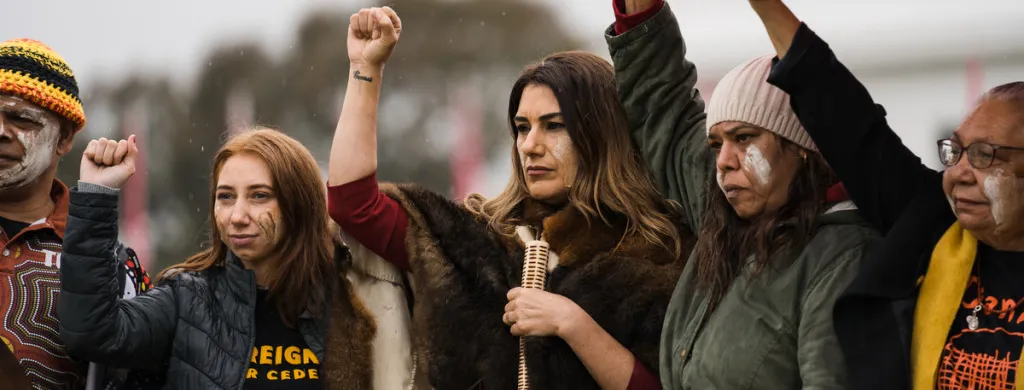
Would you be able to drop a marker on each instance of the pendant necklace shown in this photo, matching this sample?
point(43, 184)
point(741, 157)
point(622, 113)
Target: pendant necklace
point(972, 319)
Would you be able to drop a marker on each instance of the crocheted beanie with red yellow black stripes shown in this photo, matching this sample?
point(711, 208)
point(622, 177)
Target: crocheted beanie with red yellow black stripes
point(33, 71)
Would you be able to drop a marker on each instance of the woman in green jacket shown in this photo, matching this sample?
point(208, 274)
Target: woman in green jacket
point(778, 241)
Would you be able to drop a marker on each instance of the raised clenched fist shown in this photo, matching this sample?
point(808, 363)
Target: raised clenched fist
point(108, 162)
point(372, 35)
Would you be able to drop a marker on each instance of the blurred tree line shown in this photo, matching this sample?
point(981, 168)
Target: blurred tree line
point(445, 45)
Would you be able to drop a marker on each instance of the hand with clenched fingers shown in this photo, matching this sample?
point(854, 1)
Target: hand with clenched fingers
point(108, 162)
point(373, 34)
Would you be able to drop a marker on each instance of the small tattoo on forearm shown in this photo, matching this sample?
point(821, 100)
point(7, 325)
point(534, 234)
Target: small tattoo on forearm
point(364, 78)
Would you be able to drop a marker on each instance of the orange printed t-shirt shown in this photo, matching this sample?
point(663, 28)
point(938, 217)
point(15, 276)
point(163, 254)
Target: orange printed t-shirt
point(987, 357)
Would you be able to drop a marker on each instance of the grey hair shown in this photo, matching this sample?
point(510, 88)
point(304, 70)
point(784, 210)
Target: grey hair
point(1011, 92)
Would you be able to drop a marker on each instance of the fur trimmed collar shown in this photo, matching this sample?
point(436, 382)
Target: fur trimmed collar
point(463, 270)
point(576, 239)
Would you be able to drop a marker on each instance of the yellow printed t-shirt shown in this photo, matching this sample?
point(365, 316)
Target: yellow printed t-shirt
point(280, 358)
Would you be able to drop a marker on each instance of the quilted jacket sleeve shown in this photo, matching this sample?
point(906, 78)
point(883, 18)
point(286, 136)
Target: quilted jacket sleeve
point(96, 323)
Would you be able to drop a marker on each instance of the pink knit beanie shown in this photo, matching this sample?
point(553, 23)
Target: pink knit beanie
point(744, 95)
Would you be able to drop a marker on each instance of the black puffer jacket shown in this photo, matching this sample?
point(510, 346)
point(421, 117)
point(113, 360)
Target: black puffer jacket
point(200, 326)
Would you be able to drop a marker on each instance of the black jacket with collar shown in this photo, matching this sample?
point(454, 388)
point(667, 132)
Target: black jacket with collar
point(894, 191)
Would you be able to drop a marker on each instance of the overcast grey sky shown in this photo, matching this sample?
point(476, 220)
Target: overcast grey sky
point(106, 38)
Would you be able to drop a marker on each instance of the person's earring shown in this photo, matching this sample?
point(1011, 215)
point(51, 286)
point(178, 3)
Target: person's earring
point(804, 155)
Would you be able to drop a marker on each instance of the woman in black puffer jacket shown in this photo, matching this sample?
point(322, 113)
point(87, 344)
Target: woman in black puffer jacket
point(265, 306)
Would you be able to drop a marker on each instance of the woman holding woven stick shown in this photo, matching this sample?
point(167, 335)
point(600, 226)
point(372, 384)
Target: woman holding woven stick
point(577, 184)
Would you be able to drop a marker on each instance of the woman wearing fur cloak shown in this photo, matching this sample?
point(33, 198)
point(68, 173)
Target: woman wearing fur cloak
point(578, 184)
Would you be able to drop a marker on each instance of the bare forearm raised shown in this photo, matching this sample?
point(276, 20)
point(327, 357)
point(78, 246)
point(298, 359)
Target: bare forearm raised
point(372, 35)
point(779, 22)
point(354, 151)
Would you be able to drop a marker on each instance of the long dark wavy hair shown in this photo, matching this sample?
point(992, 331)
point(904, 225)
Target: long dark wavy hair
point(726, 243)
point(613, 180)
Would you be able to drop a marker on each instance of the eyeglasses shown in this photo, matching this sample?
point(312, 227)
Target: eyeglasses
point(979, 154)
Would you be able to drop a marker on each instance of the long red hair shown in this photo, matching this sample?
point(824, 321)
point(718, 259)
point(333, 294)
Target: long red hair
point(303, 271)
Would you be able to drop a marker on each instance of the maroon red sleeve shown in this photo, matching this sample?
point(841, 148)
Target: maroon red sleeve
point(372, 218)
point(836, 193)
point(642, 379)
point(624, 22)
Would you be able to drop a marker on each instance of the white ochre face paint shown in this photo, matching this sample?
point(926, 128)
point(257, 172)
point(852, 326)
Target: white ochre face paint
point(39, 146)
point(755, 163)
point(1002, 192)
point(565, 155)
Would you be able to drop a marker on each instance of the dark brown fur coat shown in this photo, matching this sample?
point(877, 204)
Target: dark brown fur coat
point(462, 271)
point(348, 340)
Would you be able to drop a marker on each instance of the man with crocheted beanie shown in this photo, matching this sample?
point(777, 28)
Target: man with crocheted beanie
point(40, 113)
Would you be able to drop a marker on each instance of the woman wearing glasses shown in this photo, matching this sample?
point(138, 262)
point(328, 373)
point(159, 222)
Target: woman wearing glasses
point(937, 306)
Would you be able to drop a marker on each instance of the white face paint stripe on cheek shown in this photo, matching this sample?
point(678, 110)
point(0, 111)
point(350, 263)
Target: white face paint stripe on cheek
point(521, 154)
point(996, 187)
point(755, 162)
point(562, 148)
point(563, 153)
point(39, 146)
